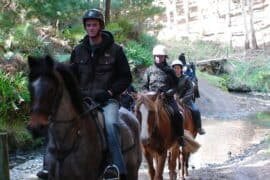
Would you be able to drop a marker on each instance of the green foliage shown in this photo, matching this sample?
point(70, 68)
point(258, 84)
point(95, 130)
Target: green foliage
point(14, 96)
point(136, 12)
point(254, 75)
point(51, 11)
point(74, 33)
point(117, 31)
point(137, 54)
point(8, 20)
point(147, 41)
point(27, 40)
point(214, 80)
point(14, 107)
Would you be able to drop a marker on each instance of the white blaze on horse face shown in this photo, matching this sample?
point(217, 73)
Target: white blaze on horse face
point(37, 85)
point(144, 114)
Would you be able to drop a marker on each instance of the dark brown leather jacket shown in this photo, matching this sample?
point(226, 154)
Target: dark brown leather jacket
point(185, 89)
point(102, 67)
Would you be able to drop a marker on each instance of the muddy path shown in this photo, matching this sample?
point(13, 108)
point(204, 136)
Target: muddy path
point(235, 146)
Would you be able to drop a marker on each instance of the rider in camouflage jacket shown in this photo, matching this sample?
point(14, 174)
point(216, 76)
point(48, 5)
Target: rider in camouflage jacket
point(161, 77)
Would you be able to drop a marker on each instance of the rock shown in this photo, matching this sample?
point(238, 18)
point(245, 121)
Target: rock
point(238, 88)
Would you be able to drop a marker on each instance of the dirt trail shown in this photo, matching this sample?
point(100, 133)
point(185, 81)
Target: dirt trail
point(233, 148)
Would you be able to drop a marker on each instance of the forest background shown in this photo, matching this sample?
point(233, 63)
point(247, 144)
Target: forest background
point(37, 27)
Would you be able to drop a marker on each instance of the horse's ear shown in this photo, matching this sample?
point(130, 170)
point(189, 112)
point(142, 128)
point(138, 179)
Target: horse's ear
point(49, 61)
point(32, 62)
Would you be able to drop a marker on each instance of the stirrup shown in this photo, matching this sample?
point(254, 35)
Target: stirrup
point(111, 172)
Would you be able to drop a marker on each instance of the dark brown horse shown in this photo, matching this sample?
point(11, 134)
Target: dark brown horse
point(77, 146)
point(183, 154)
point(157, 134)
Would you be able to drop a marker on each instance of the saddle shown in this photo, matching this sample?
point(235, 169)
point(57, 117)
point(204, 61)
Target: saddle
point(124, 133)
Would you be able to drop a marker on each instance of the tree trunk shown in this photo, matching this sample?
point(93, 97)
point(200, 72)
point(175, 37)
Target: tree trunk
point(174, 13)
point(107, 11)
point(186, 14)
point(168, 12)
point(252, 30)
point(245, 24)
point(4, 169)
point(228, 22)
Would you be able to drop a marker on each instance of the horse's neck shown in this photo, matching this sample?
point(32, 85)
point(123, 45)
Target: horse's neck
point(65, 110)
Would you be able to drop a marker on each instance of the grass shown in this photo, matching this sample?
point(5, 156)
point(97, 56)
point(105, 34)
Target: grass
point(217, 81)
point(261, 119)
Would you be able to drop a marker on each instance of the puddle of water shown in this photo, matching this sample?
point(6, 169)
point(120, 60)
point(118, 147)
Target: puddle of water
point(226, 139)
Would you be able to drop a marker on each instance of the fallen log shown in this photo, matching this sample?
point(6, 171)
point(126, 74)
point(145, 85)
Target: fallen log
point(212, 66)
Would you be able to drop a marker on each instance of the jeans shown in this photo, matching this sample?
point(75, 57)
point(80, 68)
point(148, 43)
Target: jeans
point(110, 111)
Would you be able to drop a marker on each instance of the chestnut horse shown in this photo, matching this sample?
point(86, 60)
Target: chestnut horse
point(183, 154)
point(157, 134)
point(77, 146)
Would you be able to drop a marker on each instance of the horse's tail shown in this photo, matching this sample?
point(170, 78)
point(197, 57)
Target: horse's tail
point(191, 145)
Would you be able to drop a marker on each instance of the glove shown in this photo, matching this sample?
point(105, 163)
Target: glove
point(102, 96)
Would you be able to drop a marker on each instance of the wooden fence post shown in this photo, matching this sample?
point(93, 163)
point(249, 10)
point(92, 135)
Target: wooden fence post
point(4, 167)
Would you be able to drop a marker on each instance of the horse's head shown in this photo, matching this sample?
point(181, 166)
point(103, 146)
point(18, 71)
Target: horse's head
point(145, 111)
point(44, 89)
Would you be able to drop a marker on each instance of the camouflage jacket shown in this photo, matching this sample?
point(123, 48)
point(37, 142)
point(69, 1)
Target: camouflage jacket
point(156, 79)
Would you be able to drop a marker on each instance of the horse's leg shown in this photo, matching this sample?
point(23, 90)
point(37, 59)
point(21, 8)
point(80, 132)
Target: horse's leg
point(174, 154)
point(181, 168)
point(160, 166)
point(186, 163)
point(149, 160)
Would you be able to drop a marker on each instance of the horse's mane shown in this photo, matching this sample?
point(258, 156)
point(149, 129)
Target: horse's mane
point(71, 85)
point(46, 66)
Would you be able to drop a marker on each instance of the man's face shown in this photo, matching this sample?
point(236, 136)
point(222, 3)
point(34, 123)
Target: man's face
point(178, 70)
point(159, 58)
point(92, 27)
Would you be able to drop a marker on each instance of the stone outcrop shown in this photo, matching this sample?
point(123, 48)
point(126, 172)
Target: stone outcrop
point(216, 20)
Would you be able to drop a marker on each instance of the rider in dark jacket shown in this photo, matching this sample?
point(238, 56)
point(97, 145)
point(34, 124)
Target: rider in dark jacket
point(161, 77)
point(186, 94)
point(103, 73)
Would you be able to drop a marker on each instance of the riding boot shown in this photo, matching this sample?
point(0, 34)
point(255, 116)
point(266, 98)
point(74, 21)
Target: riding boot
point(177, 122)
point(198, 122)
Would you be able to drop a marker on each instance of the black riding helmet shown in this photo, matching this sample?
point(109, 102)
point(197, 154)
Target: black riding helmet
point(94, 14)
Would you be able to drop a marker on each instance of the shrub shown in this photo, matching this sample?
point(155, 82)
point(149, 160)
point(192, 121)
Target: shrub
point(14, 97)
point(138, 55)
point(254, 75)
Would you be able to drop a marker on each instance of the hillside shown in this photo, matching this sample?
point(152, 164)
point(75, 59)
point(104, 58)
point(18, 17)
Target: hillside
point(216, 20)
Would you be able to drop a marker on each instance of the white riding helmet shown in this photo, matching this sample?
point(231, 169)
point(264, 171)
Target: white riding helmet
point(177, 62)
point(159, 50)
